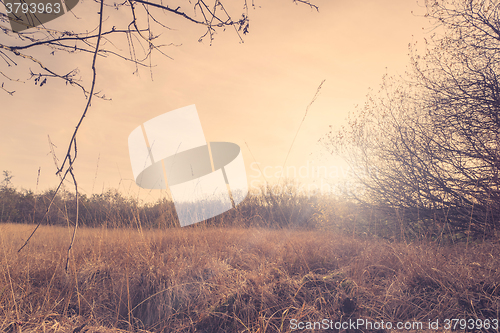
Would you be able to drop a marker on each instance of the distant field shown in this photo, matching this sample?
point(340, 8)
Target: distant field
point(237, 280)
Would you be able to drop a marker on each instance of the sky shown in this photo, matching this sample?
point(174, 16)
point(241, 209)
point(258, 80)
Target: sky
point(253, 93)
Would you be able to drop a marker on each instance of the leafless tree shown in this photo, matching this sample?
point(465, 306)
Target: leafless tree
point(140, 22)
point(433, 136)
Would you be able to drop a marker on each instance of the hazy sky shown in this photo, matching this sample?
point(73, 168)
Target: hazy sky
point(253, 93)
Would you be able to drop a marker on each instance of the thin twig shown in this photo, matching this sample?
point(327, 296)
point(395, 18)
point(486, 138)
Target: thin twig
point(36, 190)
point(46, 213)
point(72, 144)
point(300, 125)
point(76, 220)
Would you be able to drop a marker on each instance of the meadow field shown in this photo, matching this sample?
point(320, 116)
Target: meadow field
point(235, 279)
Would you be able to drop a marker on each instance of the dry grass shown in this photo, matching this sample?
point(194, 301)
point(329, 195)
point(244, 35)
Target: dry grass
point(235, 280)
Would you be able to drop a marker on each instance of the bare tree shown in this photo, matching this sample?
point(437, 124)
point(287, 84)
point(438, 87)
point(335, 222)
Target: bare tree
point(434, 135)
point(139, 22)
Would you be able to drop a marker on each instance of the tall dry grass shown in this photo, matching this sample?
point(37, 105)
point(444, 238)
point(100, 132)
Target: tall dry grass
point(235, 280)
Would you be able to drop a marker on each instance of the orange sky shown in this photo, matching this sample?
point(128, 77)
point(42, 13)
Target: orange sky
point(253, 93)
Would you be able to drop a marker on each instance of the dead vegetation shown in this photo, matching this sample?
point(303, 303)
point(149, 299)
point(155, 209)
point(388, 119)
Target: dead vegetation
point(236, 280)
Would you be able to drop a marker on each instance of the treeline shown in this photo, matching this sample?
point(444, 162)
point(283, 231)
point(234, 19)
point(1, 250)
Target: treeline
point(273, 207)
point(113, 209)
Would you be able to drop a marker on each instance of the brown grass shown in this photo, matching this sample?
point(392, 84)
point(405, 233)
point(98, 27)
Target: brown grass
point(235, 280)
